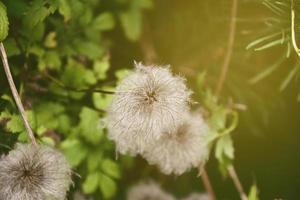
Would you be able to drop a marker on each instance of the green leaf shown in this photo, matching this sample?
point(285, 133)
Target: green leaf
point(47, 114)
point(90, 77)
point(93, 160)
point(110, 168)
point(52, 60)
point(64, 9)
point(74, 151)
point(104, 22)
point(91, 183)
point(38, 12)
point(224, 153)
point(100, 68)
point(253, 194)
point(107, 186)
point(3, 22)
point(11, 47)
point(89, 49)
point(101, 101)
point(48, 141)
point(88, 126)
point(132, 24)
point(50, 40)
point(15, 124)
point(121, 73)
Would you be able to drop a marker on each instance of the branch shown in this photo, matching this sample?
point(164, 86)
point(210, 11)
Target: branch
point(62, 85)
point(16, 94)
point(237, 183)
point(227, 59)
point(206, 183)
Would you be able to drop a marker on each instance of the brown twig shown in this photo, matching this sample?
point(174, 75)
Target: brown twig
point(207, 184)
point(237, 183)
point(227, 59)
point(16, 94)
point(232, 29)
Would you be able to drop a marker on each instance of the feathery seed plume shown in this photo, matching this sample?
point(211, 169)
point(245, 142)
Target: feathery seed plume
point(197, 196)
point(180, 151)
point(34, 173)
point(148, 191)
point(148, 102)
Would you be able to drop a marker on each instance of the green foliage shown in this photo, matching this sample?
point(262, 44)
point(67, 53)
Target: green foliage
point(222, 121)
point(63, 48)
point(280, 32)
point(3, 22)
point(253, 194)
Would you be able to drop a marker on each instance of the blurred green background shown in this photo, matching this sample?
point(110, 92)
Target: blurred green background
point(192, 37)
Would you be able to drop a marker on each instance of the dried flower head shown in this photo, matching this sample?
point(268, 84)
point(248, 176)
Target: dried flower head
point(148, 102)
point(148, 191)
point(178, 152)
point(34, 173)
point(197, 196)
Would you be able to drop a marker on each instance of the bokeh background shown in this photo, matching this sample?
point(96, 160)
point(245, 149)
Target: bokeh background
point(192, 37)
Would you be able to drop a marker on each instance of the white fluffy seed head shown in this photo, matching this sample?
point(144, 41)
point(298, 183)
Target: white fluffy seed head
point(148, 191)
point(197, 196)
point(34, 173)
point(178, 152)
point(148, 102)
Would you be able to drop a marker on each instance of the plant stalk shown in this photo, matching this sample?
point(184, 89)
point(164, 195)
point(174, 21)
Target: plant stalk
point(16, 95)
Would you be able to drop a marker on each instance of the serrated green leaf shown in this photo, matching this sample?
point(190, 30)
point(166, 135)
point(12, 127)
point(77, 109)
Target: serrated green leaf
point(3, 22)
point(15, 124)
point(91, 183)
point(107, 186)
point(104, 22)
point(224, 149)
point(88, 126)
point(110, 168)
point(74, 151)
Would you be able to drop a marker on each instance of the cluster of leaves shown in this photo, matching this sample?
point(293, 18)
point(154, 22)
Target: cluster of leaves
point(280, 31)
point(222, 120)
point(59, 54)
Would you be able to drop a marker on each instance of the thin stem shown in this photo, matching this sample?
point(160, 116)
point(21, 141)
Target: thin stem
point(237, 183)
point(293, 31)
point(207, 184)
point(59, 83)
point(227, 59)
point(232, 29)
point(16, 94)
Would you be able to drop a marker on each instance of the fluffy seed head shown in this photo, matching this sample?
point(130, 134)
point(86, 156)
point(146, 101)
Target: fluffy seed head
point(178, 152)
point(34, 173)
point(148, 102)
point(197, 196)
point(148, 191)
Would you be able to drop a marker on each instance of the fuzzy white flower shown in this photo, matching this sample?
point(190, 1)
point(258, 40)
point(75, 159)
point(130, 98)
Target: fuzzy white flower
point(149, 191)
point(197, 196)
point(148, 102)
point(34, 173)
point(178, 152)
